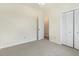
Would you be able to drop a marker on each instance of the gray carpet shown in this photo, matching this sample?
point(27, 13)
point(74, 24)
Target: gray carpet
point(39, 48)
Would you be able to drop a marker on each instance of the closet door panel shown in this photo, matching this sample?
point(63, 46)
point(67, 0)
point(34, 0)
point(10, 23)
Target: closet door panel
point(68, 28)
point(64, 37)
point(76, 41)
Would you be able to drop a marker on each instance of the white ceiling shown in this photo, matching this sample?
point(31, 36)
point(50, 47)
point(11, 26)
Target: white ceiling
point(51, 6)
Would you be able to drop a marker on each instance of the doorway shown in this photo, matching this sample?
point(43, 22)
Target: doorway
point(46, 28)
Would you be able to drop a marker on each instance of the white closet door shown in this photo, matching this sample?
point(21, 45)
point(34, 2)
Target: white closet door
point(68, 28)
point(64, 37)
point(76, 41)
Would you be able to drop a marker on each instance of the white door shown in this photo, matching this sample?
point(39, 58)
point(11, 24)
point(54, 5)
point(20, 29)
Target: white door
point(40, 27)
point(68, 28)
point(76, 41)
point(64, 37)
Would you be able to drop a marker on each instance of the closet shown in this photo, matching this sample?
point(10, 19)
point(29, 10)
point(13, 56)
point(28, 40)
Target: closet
point(76, 31)
point(70, 28)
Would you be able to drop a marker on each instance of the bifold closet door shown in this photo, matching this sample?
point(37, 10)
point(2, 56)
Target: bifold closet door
point(68, 28)
point(76, 17)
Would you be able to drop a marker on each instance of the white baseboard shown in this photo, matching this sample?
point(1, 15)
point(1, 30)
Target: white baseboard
point(6, 46)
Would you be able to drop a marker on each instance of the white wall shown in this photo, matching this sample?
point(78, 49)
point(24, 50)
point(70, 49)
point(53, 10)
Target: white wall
point(54, 11)
point(17, 24)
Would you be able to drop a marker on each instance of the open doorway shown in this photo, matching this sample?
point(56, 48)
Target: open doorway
point(46, 28)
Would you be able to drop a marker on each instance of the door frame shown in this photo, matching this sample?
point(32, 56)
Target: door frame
point(37, 28)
